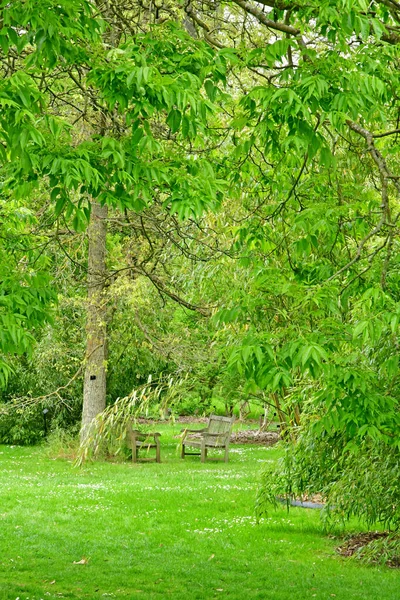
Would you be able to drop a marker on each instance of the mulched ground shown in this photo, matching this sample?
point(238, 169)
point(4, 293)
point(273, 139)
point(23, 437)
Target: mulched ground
point(359, 541)
point(261, 438)
point(185, 420)
point(251, 436)
point(248, 436)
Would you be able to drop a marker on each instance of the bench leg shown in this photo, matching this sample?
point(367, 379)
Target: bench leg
point(158, 454)
point(203, 453)
point(226, 458)
point(135, 453)
point(183, 451)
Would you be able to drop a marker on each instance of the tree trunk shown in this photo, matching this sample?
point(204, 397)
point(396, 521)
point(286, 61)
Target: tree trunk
point(94, 387)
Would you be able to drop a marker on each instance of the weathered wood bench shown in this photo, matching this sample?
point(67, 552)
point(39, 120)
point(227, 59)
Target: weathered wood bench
point(137, 440)
point(215, 435)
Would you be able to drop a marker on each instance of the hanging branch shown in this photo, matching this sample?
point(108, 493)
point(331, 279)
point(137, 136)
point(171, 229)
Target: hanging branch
point(27, 401)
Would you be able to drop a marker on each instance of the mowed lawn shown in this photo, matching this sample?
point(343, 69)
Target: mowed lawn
point(179, 529)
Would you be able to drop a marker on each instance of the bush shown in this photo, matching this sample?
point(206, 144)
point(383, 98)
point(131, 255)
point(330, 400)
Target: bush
point(384, 550)
point(191, 404)
point(363, 482)
point(22, 426)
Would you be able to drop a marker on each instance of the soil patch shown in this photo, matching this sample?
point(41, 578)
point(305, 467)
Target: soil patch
point(185, 420)
point(247, 436)
point(251, 436)
point(262, 438)
point(358, 544)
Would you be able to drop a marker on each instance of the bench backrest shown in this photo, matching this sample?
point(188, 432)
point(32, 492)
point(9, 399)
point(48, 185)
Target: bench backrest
point(220, 425)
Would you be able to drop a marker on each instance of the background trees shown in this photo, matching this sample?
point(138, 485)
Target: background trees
point(245, 159)
point(129, 100)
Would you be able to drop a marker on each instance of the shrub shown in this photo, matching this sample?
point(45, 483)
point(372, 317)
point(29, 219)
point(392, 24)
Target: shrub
point(22, 426)
point(363, 482)
point(383, 550)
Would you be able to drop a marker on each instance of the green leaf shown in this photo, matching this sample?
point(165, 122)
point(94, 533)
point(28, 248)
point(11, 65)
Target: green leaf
point(55, 192)
point(211, 89)
point(360, 328)
point(4, 42)
point(60, 205)
point(174, 120)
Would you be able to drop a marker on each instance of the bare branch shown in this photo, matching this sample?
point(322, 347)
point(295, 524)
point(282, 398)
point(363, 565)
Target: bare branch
point(256, 12)
point(385, 177)
point(386, 133)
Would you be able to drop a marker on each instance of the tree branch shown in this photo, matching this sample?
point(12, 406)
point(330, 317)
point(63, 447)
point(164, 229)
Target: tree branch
point(256, 12)
point(385, 176)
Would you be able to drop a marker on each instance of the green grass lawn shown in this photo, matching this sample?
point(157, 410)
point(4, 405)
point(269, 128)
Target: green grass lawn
point(180, 529)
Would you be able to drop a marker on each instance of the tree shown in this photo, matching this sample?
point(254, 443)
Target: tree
point(34, 36)
point(135, 97)
point(316, 138)
point(296, 106)
point(95, 382)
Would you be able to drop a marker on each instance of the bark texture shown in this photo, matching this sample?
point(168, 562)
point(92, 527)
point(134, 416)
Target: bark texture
point(94, 387)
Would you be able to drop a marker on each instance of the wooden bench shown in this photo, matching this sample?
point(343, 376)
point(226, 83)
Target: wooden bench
point(137, 440)
point(215, 435)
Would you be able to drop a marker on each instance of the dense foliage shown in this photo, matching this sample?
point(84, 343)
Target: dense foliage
point(249, 160)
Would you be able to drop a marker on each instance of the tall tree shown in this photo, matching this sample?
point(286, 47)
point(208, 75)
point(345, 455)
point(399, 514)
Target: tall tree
point(133, 104)
point(33, 36)
point(95, 377)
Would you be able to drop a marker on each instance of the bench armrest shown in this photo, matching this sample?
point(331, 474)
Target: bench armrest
point(141, 436)
point(186, 431)
point(194, 430)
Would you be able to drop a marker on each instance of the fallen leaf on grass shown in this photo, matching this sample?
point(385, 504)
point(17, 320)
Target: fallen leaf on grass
point(83, 561)
point(52, 582)
point(211, 557)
